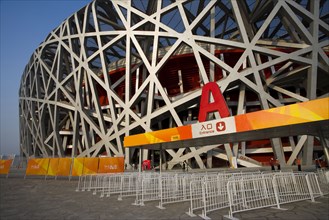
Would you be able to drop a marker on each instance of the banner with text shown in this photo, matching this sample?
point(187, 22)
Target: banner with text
point(111, 165)
point(37, 166)
point(311, 111)
point(5, 166)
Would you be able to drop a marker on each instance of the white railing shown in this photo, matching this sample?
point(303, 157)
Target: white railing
point(246, 194)
point(111, 185)
point(313, 186)
point(173, 189)
point(150, 189)
point(207, 192)
point(214, 196)
point(130, 184)
point(323, 179)
point(292, 187)
point(196, 196)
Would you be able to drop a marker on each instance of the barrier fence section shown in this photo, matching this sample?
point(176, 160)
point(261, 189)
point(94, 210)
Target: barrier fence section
point(98, 183)
point(207, 192)
point(90, 165)
point(88, 182)
point(246, 194)
point(313, 185)
point(64, 167)
point(130, 184)
point(214, 190)
point(5, 166)
point(111, 185)
point(214, 195)
point(37, 167)
point(77, 167)
point(52, 167)
point(323, 179)
point(292, 187)
point(173, 189)
point(150, 189)
point(196, 197)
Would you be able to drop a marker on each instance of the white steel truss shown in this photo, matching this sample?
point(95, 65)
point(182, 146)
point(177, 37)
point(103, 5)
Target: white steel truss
point(103, 73)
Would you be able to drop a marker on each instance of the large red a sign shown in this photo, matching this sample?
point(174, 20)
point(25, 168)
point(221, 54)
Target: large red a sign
point(218, 105)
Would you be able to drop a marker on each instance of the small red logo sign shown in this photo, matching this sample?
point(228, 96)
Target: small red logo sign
point(220, 126)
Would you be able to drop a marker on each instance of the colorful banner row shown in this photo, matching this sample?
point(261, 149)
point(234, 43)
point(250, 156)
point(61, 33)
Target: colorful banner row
point(75, 166)
point(311, 111)
point(5, 166)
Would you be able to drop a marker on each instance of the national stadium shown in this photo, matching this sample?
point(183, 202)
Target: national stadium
point(120, 68)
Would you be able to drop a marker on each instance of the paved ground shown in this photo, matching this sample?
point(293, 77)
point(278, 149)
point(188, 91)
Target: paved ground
point(36, 198)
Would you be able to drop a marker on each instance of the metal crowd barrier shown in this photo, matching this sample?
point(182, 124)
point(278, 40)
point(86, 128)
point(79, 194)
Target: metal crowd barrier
point(323, 178)
point(313, 185)
point(208, 192)
point(91, 182)
point(196, 196)
point(111, 185)
point(150, 189)
point(214, 196)
point(246, 194)
point(271, 190)
point(291, 187)
point(130, 184)
point(173, 189)
point(87, 182)
point(323, 175)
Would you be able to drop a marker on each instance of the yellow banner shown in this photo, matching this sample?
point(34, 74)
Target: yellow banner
point(90, 165)
point(111, 165)
point(53, 167)
point(77, 168)
point(64, 167)
point(5, 166)
point(37, 166)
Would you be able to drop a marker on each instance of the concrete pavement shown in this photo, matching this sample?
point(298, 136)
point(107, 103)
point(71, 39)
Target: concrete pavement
point(36, 198)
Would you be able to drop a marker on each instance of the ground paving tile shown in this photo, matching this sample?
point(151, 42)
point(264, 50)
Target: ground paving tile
point(36, 198)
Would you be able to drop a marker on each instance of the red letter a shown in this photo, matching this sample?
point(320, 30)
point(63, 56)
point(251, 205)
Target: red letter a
point(218, 105)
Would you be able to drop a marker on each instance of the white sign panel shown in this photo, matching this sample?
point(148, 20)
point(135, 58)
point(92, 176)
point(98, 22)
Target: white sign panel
point(214, 127)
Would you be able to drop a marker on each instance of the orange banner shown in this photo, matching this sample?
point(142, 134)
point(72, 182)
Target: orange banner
point(315, 110)
point(111, 165)
point(90, 165)
point(161, 136)
point(64, 167)
point(37, 166)
point(53, 167)
point(5, 166)
point(77, 168)
point(311, 111)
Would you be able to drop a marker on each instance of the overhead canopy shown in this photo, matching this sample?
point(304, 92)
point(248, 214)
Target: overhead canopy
point(307, 118)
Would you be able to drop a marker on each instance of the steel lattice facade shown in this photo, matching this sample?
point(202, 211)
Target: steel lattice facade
point(117, 68)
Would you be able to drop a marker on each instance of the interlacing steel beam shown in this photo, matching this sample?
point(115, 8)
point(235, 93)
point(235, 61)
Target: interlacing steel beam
point(118, 68)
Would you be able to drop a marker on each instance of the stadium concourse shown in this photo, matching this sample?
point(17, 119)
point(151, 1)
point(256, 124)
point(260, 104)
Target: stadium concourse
point(36, 198)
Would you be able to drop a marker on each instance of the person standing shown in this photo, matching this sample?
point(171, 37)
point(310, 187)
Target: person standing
point(278, 164)
point(317, 164)
point(298, 162)
point(272, 164)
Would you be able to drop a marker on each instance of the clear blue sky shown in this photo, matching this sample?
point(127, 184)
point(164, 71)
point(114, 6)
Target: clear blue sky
point(24, 25)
